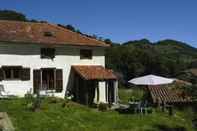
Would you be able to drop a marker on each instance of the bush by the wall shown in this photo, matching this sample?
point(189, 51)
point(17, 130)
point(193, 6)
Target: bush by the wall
point(102, 107)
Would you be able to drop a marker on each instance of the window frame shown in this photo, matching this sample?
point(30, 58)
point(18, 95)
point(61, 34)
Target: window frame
point(12, 75)
point(86, 54)
point(45, 53)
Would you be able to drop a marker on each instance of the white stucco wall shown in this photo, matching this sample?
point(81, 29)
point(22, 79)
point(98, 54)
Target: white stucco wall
point(28, 55)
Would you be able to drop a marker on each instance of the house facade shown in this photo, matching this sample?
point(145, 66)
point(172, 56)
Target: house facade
point(46, 58)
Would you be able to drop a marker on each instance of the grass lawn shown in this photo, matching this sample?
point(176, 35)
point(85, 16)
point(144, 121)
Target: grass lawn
point(54, 117)
point(126, 94)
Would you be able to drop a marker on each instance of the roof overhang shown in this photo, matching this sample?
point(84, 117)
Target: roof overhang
point(56, 44)
point(94, 72)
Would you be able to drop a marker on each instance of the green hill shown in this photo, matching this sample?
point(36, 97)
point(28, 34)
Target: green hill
point(176, 49)
point(135, 58)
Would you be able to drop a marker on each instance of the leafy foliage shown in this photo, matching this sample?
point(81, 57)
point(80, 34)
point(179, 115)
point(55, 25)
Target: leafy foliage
point(135, 58)
point(12, 15)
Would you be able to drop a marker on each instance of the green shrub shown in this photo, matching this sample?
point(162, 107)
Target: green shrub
point(37, 104)
point(102, 107)
point(29, 101)
point(65, 103)
point(29, 98)
point(149, 110)
point(30, 106)
point(32, 103)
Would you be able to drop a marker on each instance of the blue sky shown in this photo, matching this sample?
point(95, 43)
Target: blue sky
point(119, 20)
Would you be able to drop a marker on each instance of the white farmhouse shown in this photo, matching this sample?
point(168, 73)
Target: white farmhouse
point(49, 58)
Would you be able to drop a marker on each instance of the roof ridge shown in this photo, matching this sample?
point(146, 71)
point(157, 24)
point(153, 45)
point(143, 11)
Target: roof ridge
point(29, 22)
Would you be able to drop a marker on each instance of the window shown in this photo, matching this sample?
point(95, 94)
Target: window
point(11, 72)
point(52, 79)
point(8, 73)
point(48, 53)
point(48, 34)
point(14, 73)
point(85, 54)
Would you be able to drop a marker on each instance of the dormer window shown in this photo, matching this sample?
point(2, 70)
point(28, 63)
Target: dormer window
point(85, 54)
point(48, 34)
point(47, 53)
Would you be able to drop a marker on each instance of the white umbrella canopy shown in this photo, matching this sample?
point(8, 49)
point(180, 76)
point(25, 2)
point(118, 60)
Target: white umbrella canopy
point(151, 80)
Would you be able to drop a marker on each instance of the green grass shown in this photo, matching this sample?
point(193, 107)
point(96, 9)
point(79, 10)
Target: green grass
point(74, 117)
point(126, 94)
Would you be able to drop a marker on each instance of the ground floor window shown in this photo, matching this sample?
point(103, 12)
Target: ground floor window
point(14, 73)
point(11, 72)
point(48, 79)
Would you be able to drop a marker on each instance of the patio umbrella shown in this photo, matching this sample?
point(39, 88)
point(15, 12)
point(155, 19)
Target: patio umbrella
point(151, 80)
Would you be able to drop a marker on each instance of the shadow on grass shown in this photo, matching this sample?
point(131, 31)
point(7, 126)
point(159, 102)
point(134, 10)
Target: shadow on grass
point(167, 128)
point(124, 111)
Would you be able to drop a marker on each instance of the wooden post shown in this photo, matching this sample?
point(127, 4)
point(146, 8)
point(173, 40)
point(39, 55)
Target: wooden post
point(77, 87)
point(40, 87)
point(54, 79)
point(115, 87)
point(97, 91)
point(106, 91)
point(86, 92)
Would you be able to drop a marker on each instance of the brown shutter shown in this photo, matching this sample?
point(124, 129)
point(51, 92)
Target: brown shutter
point(59, 81)
point(37, 80)
point(25, 74)
point(1, 74)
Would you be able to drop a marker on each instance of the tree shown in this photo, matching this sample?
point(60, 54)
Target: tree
point(141, 57)
point(108, 41)
point(70, 27)
point(12, 15)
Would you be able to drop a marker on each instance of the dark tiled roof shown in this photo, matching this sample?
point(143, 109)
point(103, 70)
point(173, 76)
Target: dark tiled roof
point(91, 72)
point(166, 95)
point(44, 33)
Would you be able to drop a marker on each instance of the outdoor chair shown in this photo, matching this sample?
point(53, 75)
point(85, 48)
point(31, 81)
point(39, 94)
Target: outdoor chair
point(141, 107)
point(5, 94)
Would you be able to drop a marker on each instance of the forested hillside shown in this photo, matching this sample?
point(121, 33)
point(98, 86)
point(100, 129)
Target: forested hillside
point(135, 58)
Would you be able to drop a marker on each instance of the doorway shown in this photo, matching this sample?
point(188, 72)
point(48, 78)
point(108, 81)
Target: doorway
point(110, 92)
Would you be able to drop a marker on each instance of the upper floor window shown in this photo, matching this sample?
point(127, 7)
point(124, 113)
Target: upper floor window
point(85, 54)
point(48, 53)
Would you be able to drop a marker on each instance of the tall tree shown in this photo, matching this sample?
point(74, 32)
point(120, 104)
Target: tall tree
point(12, 15)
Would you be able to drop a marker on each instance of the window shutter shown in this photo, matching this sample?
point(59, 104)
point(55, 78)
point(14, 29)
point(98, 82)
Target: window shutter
point(25, 74)
point(1, 74)
point(59, 81)
point(37, 80)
